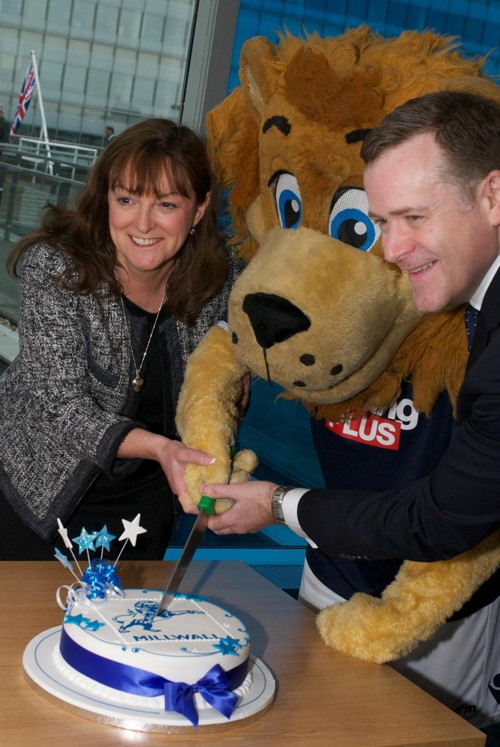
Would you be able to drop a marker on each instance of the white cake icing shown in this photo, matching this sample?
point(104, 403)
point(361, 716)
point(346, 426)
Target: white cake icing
point(180, 646)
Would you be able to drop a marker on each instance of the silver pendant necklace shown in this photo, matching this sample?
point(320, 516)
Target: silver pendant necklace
point(138, 380)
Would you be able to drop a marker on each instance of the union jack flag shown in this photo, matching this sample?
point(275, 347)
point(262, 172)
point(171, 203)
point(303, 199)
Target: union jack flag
point(24, 99)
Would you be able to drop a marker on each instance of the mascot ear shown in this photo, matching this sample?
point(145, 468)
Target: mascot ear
point(259, 72)
point(233, 135)
point(232, 139)
point(226, 126)
point(229, 123)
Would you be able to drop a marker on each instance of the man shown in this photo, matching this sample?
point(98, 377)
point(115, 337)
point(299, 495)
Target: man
point(4, 127)
point(109, 134)
point(432, 178)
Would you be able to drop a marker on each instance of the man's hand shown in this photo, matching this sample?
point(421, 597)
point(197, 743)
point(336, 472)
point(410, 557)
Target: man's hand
point(251, 508)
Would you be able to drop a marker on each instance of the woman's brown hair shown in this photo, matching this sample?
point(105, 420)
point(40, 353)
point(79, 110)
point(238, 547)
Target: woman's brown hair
point(146, 153)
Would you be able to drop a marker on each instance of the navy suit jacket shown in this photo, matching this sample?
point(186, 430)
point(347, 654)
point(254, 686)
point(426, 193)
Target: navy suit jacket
point(450, 510)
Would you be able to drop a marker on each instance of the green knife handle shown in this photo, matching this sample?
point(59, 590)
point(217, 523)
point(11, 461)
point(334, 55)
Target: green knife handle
point(207, 505)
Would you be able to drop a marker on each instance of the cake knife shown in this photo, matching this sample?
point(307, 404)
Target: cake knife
point(206, 507)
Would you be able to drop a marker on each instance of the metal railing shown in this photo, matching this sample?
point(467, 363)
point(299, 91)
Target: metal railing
point(25, 189)
point(47, 156)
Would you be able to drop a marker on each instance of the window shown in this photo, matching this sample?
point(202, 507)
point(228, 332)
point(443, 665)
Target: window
point(129, 26)
point(82, 18)
point(152, 30)
point(54, 48)
point(97, 88)
point(10, 10)
point(74, 83)
point(106, 22)
point(79, 52)
point(120, 94)
point(58, 15)
point(35, 10)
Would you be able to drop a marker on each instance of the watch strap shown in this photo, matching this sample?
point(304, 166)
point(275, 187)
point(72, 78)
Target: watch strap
point(277, 504)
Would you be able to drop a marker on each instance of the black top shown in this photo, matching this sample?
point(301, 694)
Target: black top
point(154, 406)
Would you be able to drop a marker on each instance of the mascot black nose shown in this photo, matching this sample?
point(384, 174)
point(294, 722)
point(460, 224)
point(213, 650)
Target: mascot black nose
point(273, 318)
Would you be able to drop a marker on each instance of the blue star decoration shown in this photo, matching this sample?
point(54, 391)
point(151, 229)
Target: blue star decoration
point(228, 645)
point(94, 625)
point(63, 559)
point(85, 541)
point(103, 538)
point(75, 619)
point(83, 622)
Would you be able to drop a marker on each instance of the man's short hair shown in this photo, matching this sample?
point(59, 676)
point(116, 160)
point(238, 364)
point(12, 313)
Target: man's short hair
point(466, 127)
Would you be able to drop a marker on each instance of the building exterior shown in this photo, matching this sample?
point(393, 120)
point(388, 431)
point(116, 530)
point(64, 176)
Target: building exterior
point(113, 62)
point(105, 62)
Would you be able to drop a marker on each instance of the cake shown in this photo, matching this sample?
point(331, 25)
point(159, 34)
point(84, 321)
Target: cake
point(117, 658)
point(194, 655)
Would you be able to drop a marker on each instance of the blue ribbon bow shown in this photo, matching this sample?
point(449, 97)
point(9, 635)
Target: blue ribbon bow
point(215, 686)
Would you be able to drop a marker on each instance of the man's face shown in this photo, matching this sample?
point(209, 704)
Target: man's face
point(442, 240)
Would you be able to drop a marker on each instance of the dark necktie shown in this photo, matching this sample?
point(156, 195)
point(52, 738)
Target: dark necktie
point(470, 323)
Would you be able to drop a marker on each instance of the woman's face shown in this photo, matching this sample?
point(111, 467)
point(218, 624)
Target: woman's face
point(149, 230)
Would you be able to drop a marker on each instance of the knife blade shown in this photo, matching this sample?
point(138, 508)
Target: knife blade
point(206, 508)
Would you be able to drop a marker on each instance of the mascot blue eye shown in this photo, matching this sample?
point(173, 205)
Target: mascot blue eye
point(349, 221)
point(288, 200)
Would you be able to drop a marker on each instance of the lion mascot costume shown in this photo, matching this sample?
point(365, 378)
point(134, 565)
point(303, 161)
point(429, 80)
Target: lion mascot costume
point(316, 309)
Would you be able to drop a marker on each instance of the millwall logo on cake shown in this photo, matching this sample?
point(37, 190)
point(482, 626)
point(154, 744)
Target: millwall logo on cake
point(144, 614)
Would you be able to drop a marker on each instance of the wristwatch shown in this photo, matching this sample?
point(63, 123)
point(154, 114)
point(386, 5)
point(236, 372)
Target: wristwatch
point(277, 504)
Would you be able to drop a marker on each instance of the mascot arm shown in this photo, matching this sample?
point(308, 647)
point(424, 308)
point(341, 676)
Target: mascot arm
point(208, 413)
point(411, 608)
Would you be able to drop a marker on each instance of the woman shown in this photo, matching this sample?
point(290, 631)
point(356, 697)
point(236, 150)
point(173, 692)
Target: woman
point(115, 294)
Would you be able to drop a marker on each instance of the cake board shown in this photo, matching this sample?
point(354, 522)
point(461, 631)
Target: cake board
point(74, 695)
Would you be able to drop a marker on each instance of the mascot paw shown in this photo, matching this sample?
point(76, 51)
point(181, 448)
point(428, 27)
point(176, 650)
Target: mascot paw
point(222, 505)
point(221, 471)
point(243, 465)
point(363, 627)
point(195, 476)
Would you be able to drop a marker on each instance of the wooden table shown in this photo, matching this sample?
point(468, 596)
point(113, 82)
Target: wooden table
point(323, 698)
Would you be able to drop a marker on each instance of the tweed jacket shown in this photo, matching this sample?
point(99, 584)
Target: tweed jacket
point(66, 402)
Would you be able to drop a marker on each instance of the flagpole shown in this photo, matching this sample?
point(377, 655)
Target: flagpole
point(43, 130)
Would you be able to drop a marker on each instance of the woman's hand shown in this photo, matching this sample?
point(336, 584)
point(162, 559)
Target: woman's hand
point(172, 455)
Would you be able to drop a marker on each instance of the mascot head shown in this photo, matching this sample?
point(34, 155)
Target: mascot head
point(318, 310)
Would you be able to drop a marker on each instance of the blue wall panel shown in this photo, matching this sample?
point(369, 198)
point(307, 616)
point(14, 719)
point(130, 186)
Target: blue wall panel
point(477, 24)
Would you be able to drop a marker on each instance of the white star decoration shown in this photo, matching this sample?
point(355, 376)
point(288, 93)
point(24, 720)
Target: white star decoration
point(131, 530)
point(64, 534)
